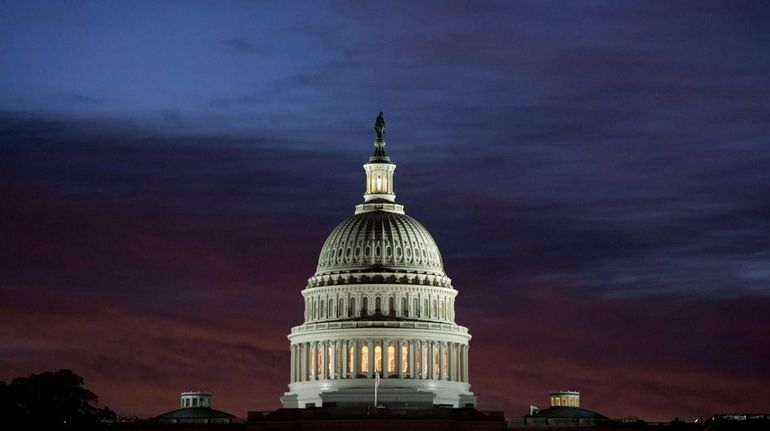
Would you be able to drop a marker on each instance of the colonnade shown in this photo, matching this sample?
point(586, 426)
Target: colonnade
point(390, 358)
point(330, 306)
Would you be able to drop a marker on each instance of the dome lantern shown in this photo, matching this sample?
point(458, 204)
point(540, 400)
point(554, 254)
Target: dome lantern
point(379, 170)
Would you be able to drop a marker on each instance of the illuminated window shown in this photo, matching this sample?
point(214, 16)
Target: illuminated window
point(404, 359)
point(350, 359)
point(445, 363)
point(378, 358)
point(391, 359)
point(418, 357)
point(331, 362)
point(436, 365)
point(311, 365)
point(365, 359)
point(319, 361)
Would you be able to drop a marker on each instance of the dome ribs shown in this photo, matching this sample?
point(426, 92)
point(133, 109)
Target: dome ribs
point(380, 241)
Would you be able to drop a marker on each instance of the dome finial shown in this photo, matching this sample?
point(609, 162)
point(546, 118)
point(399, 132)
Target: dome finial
point(379, 155)
point(379, 126)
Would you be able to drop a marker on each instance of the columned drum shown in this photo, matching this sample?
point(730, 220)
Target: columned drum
point(379, 305)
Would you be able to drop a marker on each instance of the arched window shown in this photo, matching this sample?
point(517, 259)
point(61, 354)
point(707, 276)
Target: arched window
point(391, 306)
point(425, 309)
point(352, 307)
point(378, 305)
point(340, 307)
point(404, 311)
point(364, 358)
point(434, 312)
point(391, 359)
point(365, 306)
point(378, 359)
point(404, 359)
point(415, 308)
point(322, 313)
point(331, 308)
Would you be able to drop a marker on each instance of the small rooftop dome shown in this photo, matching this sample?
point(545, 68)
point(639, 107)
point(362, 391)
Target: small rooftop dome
point(196, 408)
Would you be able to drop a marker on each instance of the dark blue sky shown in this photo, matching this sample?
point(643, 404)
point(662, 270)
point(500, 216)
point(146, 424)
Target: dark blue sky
point(607, 163)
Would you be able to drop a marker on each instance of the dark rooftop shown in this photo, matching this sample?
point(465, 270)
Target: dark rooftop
point(195, 413)
point(566, 412)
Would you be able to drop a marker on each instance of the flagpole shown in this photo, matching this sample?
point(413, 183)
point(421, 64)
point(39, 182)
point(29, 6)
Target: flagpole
point(376, 386)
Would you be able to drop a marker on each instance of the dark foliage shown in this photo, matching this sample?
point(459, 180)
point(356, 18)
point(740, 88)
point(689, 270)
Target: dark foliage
point(51, 401)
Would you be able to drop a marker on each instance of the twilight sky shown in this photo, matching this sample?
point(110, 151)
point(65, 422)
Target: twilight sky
point(596, 174)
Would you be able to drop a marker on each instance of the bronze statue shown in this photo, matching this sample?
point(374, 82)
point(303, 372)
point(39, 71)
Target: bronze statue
point(379, 126)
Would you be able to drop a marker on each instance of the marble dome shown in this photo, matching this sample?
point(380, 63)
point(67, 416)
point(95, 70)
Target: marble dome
point(380, 240)
point(379, 319)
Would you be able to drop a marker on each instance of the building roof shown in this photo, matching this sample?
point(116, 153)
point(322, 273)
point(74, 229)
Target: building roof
point(195, 413)
point(566, 412)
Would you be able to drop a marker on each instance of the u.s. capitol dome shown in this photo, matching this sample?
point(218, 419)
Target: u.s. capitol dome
point(379, 311)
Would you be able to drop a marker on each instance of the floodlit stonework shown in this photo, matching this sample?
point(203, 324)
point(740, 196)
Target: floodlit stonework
point(379, 304)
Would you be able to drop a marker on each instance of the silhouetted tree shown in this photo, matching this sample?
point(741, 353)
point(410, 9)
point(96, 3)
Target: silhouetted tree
point(50, 401)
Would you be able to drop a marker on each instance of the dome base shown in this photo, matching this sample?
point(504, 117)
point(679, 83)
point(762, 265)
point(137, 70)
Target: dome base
point(391, 393)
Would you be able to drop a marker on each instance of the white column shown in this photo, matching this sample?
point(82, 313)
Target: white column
point(411, 359)
point(385, 359)
point(325, 356)
point(457, 361)
point(431, 369)
point(371, 358)
point(344, 368)
point(465, 364)
point(292, 368)
point(356, 358)
point(453, 362)
point(441, 362)
point(399, 359)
